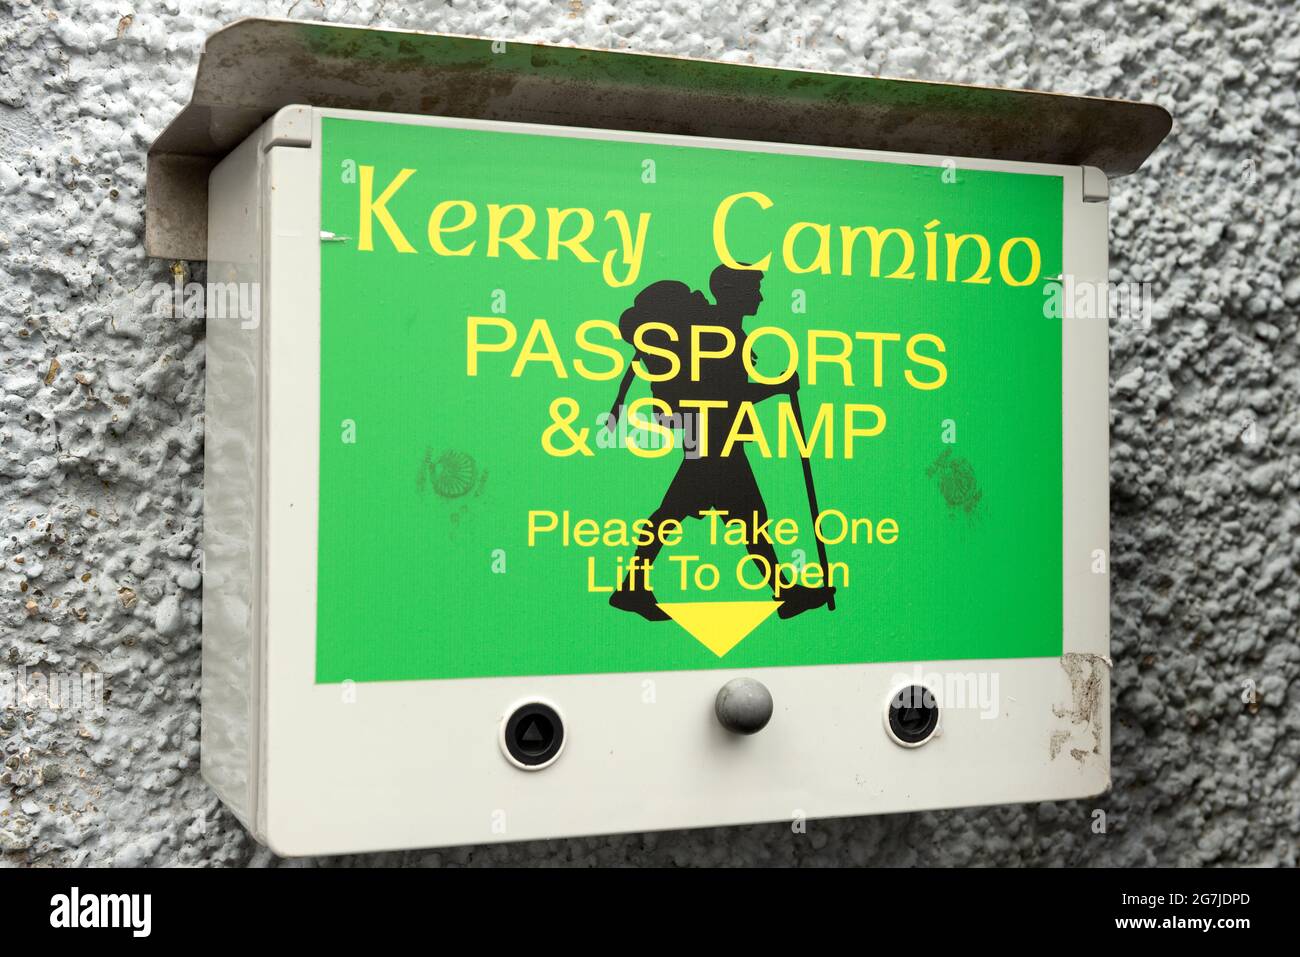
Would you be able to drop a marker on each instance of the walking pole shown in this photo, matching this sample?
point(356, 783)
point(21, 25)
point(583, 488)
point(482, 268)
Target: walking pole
point(612, 422)
point(812, 494)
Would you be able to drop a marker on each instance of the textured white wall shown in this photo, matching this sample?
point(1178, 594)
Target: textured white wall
point(101, 444)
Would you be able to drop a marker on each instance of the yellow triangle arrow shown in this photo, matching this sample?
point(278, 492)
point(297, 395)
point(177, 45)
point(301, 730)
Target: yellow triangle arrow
point(719, 625)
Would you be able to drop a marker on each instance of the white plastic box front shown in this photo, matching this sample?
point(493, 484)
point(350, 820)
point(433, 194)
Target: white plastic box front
point(314, 767)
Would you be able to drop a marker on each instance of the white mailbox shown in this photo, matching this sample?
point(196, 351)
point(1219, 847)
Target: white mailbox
point(624, 443)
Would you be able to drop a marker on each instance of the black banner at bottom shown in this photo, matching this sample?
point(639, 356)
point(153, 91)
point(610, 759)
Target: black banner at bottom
point(332, 906)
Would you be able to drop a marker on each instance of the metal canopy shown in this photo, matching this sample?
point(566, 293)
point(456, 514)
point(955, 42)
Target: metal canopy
point(252, 68)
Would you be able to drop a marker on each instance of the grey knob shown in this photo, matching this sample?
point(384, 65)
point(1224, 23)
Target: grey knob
point(744, 706)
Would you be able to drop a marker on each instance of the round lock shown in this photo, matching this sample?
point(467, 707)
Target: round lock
point(532, 736)
point(911, 716)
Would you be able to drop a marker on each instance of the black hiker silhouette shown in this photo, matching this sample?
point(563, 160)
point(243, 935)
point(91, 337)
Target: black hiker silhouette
point(712, 480)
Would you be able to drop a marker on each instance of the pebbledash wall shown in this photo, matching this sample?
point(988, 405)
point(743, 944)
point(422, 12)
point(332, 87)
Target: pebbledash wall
point(101, 441)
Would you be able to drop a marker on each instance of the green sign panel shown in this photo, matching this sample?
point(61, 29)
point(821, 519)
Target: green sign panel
point(592, 406)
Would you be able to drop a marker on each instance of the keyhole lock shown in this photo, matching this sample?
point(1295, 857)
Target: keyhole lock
point(532, 737)
point(912, 716)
